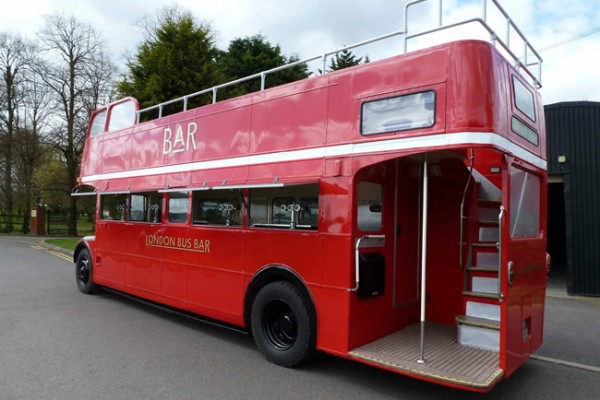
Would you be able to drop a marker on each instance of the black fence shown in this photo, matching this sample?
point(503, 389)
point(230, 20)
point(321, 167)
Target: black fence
point(14, 223)
point(57, 222)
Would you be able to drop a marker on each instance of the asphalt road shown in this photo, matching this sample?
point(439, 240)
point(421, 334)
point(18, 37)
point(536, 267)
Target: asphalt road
point(56, 343)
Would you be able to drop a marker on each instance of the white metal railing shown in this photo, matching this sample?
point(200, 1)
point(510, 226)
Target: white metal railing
point(528, 59)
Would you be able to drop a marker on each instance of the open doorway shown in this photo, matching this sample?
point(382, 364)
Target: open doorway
point(557, 243)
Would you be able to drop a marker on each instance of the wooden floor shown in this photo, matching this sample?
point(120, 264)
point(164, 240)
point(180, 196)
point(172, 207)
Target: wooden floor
point(445, 359)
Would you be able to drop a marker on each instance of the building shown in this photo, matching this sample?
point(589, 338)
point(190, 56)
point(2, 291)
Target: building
point(573, 132)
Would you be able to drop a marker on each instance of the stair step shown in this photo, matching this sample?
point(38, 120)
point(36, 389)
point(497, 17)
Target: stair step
point(489, 245)
point(489, 233)
point(480, 333)
point(493, 296)
point(484, 269)
point(489, 203)
point(487, 259)
point(488, 223)
point(478, 322)
point(483, 284)
point(483, 310)
point(487, 214)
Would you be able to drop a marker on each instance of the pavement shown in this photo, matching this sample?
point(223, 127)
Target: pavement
point(571, 323)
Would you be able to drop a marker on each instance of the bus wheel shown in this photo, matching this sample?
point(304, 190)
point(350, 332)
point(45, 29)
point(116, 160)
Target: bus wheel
point(83, 272)
point(283, 328)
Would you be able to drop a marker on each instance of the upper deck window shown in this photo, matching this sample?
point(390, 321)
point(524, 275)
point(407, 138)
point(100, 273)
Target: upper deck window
point(122, 115)
point(524, 100)
point(521, 129)
point(399, 113)
point(98, 123)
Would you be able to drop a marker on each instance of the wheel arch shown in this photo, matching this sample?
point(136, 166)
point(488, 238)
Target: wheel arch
point(83, 243)
point(272, 273)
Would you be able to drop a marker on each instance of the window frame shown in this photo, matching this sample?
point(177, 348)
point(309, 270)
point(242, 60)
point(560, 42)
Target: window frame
point(398, 96)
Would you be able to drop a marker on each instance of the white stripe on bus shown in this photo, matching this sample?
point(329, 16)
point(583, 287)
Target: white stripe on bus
point(375, 147)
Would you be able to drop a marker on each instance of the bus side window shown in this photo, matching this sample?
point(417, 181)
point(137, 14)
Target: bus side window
point(113, 207)
point(288, 207)
point(178, 207)
point(282, 212)
point(145, 207)
point(309, 211)
point(217, 207)
point(368, 212)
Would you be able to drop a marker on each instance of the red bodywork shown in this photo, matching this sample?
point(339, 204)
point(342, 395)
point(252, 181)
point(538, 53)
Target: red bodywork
point(309, 131)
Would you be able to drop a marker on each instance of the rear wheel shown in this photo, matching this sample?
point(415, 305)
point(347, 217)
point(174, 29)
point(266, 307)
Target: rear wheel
point(83, 272)
point(282, 324)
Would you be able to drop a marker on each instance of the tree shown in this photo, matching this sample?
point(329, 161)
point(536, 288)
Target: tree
point(14, 59)
point(345, 59)
point(254, 54)
point(29, 145)
point(74, 53)
point(177, 58)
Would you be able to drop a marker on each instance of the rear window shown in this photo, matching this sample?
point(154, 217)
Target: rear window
point(524, 99)
point(399, 113)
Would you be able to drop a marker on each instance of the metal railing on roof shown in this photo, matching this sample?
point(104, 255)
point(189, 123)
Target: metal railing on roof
point(524, 63)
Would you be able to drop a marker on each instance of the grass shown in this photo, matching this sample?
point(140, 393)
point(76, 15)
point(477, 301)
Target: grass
point(68, 244)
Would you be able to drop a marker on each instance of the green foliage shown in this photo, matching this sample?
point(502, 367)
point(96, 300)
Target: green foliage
point(68, 244)
point(177, 59)
point(345, 59)
point(253, 54)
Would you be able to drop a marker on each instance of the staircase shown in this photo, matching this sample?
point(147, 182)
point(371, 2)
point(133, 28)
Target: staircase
point(479, 327)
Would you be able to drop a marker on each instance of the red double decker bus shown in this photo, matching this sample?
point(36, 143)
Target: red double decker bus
point(391, 213)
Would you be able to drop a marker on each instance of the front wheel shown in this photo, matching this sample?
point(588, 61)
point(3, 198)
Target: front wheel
point(282, 324)
point(83, 272)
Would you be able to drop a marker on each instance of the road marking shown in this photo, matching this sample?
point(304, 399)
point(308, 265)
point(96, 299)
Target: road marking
point(585, 367)
point(53, 252)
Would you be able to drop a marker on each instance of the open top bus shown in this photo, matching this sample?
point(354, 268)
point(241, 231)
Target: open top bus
point(392, 213)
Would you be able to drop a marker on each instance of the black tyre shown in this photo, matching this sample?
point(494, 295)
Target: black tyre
point(83, 272)
point(282, 324)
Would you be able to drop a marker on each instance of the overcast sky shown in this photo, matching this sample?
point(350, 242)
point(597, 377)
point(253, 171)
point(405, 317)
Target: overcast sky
point(566, 32)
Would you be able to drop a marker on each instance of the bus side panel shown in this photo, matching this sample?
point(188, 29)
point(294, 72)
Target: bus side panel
point(90, 159)
point(215, 280)
point(287, 118)
point(116, 151)
point(332, 297)
point(299, 251)
point(110, 257)
point(144, 268)
point(147, 148)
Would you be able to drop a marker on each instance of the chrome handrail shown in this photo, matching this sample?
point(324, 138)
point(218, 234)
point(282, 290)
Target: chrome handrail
point(499, 245)
point(357, 258)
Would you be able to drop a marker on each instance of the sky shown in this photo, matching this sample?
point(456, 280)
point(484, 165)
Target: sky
point(566, 33)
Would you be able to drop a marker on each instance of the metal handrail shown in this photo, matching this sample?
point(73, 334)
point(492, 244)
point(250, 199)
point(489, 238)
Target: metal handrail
point(357, 258)
point(483, 21)
point(500, 217)
point(520, 63)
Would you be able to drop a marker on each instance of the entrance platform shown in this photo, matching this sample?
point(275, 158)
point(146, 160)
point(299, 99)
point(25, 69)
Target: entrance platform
point(445, 359)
